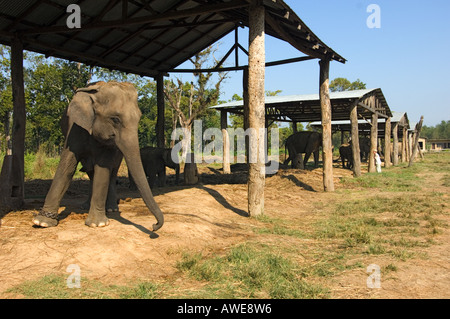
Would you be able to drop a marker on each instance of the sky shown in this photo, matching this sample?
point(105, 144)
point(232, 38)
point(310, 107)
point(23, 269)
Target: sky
point(407, 57)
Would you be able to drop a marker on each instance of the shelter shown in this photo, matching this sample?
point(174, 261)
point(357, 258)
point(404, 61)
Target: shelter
point(151, 38)
point(368, 104)
point(399, 130)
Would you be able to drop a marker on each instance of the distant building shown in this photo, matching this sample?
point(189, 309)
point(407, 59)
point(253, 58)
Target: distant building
point(439, 144)
point(422, 143)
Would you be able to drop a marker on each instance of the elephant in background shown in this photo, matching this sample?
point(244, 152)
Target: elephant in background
point(346, 154)
point(100, 126)
point(303, 142)
point(364, 148)
point(155, 160)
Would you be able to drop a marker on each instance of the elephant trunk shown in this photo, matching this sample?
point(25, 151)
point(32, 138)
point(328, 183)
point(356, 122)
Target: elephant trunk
point(130, 150)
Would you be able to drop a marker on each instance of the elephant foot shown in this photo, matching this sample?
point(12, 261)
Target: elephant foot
point(97, 220)
point(112, 207)
point(46, 219)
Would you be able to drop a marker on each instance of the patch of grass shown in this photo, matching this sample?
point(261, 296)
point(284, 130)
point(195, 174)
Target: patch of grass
point(55, 287)
point(373, 225)
point(396, 179)
point(250, 272)
point(40, 166)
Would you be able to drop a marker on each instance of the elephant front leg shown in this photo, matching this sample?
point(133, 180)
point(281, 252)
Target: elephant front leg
point(48, 216)
point(100, 184)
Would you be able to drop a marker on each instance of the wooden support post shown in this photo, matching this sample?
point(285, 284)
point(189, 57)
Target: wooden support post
point(355, 141)
point(246, 109)
point(373, 136)
point(160, 140)
point(12, 177)
point(404, 139)
point(415, 146)
point(325, 105)
point(395, 146)
point(226, 142)
point(387, 143)
point(256, 107)
point(294, 127)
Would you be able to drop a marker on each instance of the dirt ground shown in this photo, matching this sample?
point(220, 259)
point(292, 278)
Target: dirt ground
point(209, 217)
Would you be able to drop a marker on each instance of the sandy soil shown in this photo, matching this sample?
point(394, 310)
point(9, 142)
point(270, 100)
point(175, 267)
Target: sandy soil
point(209, 217)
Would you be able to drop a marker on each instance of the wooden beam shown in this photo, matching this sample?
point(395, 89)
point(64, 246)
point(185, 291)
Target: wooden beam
point(100, 62)
point(256, 106)
point(288, 38)
point(175, 14)
point(240, 68)
point(325, 105)
point(373, 110)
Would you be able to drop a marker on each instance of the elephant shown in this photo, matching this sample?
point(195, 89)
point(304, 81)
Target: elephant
point(364, 148)
point(155, 160)
point(303, 142)
point(100, 126)
point(346, 154)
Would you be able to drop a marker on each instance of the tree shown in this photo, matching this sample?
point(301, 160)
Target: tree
point(190, 100)
point(50, 85)
point(342, 84)
point(6, 104)
point(440, 131)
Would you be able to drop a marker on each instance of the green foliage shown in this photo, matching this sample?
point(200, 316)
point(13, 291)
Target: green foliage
point(342, 84)
point(50, 84)
point(440, 131)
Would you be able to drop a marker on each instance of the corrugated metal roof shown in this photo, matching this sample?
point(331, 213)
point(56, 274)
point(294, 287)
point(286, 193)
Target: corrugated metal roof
point(306, 107)
point(144, 37)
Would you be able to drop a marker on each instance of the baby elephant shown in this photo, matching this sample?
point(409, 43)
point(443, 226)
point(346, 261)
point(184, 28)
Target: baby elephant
point(154, 161)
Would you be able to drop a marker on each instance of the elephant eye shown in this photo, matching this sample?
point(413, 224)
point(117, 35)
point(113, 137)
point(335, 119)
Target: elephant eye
point(115, 120)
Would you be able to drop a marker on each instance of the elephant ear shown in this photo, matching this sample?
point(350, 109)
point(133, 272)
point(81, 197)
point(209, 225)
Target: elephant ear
point(81, 110)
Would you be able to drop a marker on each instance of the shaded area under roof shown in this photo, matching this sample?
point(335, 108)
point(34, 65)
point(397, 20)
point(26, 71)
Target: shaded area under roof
point(306, 108)
point(364, 126)
point(145, 37)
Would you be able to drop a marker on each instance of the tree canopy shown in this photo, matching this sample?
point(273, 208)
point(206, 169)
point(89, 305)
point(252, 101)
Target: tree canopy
point(342, 84)
point(50, 84)
point(440, 131)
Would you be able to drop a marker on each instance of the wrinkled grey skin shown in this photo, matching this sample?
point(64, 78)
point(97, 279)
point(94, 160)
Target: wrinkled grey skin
point(303, 142)
point(155, 160)
point(346, 153)
point(100, 126)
